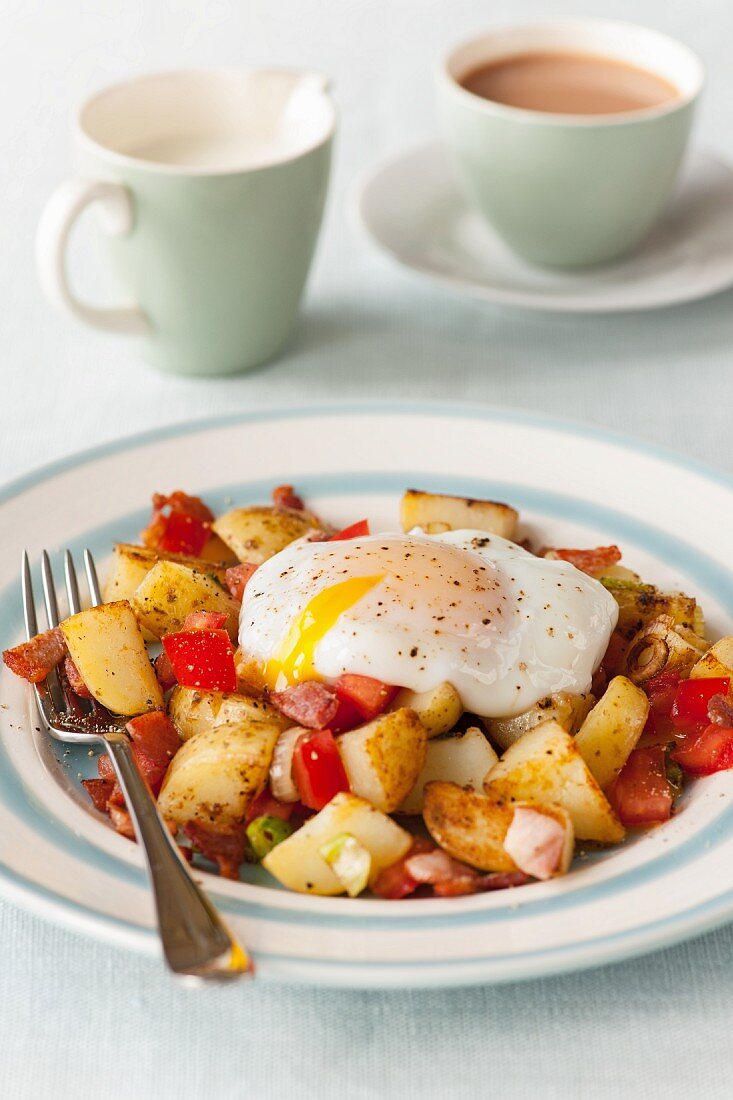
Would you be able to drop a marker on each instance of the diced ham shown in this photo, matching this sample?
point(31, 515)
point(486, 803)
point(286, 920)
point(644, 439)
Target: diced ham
point(204, 620)
point(236, 578)
point(155, 741)
point(34, 660)
point(99, 790)
point(104, 767)
point(535, 842)
point(76, 683)
point(284, 496)
point(427, 865)
point(310, 704)
point(164, 671)
point(121, 821)
point(588, 561)
point(224, 845)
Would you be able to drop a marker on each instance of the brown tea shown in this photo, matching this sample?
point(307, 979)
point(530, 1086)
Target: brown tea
point(568, 84)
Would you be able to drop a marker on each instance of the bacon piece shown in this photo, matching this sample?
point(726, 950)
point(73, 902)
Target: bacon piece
point(720, 710)
point(284, 496)
point(427, 865)
point(535, 842)
point(155, 741)
point(224, 845)
point(588, 561)
point(76, 683)
point(104, 767)
point(236, 578)
point(100, 791)
point(164, 671)
point(34, 660)
point(310, 704)
point(121, 821)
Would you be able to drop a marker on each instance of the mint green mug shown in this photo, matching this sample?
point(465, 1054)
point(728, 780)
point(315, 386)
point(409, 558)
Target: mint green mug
point(569, 190)
point(210, 188)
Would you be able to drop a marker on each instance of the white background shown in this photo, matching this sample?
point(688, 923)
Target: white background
point(656, 1027)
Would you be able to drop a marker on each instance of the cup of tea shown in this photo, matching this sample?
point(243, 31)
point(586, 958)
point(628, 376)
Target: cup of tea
point(568, 137)
point(209, 188)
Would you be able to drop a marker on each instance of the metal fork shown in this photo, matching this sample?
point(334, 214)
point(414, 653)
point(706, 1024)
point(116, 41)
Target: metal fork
point(196, 944)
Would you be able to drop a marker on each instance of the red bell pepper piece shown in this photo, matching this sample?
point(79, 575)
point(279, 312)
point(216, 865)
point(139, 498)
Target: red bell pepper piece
point(355, 531)
point(705, 750)
point(640, 794)
point(202, 659)
point(318, 771)
point(661, 691)
point(690, 706)
point(184, 534)
point(370, 697)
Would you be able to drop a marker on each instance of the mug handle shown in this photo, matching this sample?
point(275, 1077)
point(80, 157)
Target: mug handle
point(57, 220)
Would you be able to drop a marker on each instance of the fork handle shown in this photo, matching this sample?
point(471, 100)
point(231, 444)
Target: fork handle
point(195, 941)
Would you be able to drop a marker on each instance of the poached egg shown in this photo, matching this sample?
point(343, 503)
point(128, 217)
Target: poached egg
point(504, 627)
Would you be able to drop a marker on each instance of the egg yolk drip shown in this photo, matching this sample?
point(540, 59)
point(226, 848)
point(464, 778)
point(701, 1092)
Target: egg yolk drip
point(294, 659)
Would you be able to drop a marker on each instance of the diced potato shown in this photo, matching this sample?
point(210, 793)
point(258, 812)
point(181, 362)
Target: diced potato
point(662, 647)
point(438, 710)
point(718, 661)
point(460, 758)
point(218, 772)
point(298, 864)
point(250, 679)
point(192, 710)
point(255, 534)
point(384, 758)
point(170, 591)
point(545, 766)
point(612, 729)
point(612, 573)
point(469, 826)
point(131, 564)
point(419, 509)
point(107, 647)
point(564, 707)
point(639, 604)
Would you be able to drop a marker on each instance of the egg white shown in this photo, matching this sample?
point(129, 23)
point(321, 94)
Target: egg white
point(504, 627)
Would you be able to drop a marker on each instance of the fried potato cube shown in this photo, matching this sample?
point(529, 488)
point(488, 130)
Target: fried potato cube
point(463, 759)
point(384, 758)
point(192, 710)
point(439, 709)
point(420, 509)
point(545, 766)
point(171, 591)
point(612, 729)
point(718, 661)
point(107, 647)
point(298, 864)
point(256, 534)
point(564, 707)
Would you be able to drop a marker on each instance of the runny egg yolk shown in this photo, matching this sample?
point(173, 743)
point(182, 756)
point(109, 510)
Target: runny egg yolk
point(294, 659)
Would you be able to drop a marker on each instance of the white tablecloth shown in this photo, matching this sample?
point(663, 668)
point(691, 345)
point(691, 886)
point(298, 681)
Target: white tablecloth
point(78, 1019)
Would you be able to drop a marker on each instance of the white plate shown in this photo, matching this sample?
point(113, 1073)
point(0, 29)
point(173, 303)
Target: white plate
point(573, 486)
point(412, 208)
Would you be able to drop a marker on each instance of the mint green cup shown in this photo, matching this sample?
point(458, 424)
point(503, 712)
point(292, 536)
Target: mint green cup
point(209, 188)
point(569, 190)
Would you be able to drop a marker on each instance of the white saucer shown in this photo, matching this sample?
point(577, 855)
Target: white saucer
point(412, 208)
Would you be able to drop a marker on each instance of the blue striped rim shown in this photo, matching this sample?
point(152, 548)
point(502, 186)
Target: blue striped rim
point(705, 572)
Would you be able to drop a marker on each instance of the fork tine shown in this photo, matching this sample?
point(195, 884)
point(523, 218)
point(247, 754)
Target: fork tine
point(72, 586)
point(92, 578)
point(29, 608)
point(49, 591)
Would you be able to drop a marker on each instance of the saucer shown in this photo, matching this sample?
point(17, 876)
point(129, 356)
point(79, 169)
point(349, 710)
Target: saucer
point(412, 208)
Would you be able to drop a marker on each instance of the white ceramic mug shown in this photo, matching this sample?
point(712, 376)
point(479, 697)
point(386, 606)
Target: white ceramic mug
point(210, 187)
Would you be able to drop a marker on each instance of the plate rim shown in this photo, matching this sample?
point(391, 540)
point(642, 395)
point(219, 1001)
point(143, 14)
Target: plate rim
point(43, 902)
point(533, 301)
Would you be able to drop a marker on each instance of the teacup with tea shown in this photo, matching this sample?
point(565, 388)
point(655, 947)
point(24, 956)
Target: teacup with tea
point(569, 137)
